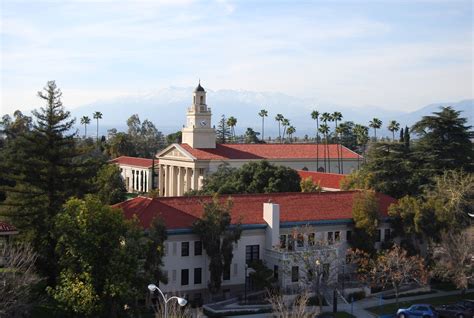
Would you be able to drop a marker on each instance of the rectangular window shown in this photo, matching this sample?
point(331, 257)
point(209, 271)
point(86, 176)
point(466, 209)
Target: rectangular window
point(386, 235)
point(311, 239)
point(300, 240)
point(378, 237)
point(226, 273)
point(184, 248)
point(197, 248)
point(184, 277)
point(295, 274)
point(174, 248)
point(275, 271)
point(165, 274)
point(330, 237)
point(337, 236)
point(291, 243)
point(283, 241)
point(197, 276)
point(252, 252)
point(348, 236)
point(325, 271)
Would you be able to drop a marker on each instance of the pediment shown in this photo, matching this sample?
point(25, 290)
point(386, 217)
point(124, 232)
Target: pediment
point(174, 151)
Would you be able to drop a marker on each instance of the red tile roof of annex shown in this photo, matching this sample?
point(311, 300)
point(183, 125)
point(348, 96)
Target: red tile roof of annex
point(181, 212)
point(267, 151)
point(5, 227)
point(134, 161)
point(325, 180)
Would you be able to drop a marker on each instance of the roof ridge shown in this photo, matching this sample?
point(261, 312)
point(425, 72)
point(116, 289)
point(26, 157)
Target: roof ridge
point(280, 194)
point(330, 173)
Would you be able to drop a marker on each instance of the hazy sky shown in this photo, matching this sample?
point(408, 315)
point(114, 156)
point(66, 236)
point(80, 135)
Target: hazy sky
point(395, 54)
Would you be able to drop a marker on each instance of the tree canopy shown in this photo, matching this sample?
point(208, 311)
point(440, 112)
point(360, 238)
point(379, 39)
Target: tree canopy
point(217, 236)
point(253, 177)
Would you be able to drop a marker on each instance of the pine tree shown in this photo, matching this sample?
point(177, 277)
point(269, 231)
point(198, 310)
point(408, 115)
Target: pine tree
point(45, 169)
point(223, 131)
point(401, 136)
point(406, 137)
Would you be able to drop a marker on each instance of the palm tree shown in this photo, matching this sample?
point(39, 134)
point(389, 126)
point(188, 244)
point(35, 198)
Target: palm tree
point(375, 124)
point(337, 116)
point(324, 129)
point(97, 115)
point(315, 116)
point(231, 122)
point(85, 120)
point(263, 113)
point(279, 118)
point(362, 136)
point(325, 117)
point(291, 130)
point(340, 130)
point(285, 123)
point(393, 126)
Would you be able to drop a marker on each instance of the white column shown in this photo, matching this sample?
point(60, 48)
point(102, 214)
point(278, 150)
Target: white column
point(167, 181)
point(189, 173)
point(174, 181)
point(161, 181)
point(182, 172)
point(195, 178)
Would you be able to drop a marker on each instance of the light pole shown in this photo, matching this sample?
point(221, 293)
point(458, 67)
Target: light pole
point(181, 301)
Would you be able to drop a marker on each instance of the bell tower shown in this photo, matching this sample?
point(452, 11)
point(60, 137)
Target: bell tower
point(198, 132)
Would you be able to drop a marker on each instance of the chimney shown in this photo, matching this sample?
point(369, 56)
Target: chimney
point(271, 215)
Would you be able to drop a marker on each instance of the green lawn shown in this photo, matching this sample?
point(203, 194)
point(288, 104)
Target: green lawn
point(392, 308)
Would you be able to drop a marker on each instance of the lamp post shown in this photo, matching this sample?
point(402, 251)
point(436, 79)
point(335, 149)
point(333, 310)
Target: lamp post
point(181, 301)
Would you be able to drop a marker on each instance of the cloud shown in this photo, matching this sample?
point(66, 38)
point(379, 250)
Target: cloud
point(346, 54)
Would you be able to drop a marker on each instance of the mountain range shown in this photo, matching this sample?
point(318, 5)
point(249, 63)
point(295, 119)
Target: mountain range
point(166, 108)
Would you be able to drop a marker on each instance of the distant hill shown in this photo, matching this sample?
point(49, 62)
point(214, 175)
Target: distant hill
point(167, 109)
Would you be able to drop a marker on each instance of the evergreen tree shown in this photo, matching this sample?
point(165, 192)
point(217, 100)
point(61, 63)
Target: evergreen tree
point(445, 139)
point(217, 236)
point(402, 138)
point(223, 131)
point(154, 252)
point(406, 138)
point(109, 185)
point(45, 169)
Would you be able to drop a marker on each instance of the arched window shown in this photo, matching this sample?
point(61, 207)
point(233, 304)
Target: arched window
point(305, 169)
point(202, 99)
point(320, 169)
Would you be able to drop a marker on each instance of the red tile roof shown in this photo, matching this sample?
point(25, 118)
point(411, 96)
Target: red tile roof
point(134, 161)
point(267, 151)
point(181, 212)
point(5, 227)
point(325, 180)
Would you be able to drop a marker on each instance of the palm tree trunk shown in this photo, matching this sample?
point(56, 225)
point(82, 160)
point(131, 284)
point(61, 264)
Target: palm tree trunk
point(85, 131)
point(393, 135)
point(279, 131)
point(97, 130)
point(317, 144)
point(329, 160)
point(263, 129)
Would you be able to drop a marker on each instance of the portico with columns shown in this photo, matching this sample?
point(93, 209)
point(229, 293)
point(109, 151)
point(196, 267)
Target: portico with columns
point(183, 167)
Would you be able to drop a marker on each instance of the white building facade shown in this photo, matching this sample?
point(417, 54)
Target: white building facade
point(273, 241)
point(184, 166)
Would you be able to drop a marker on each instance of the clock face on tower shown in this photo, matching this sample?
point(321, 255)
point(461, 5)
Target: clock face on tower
point(203, 123)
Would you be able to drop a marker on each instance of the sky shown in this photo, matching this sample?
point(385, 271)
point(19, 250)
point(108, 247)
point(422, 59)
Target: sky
point(396, 54)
